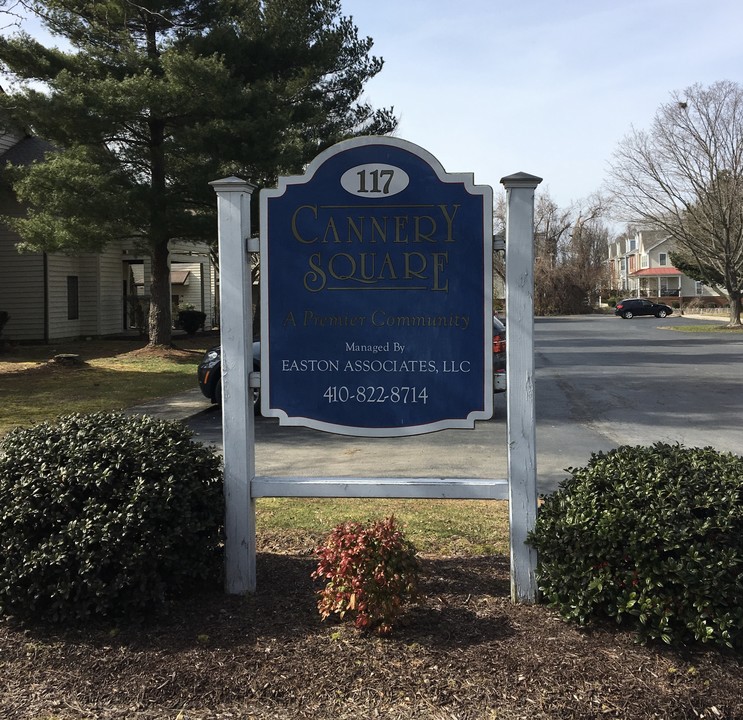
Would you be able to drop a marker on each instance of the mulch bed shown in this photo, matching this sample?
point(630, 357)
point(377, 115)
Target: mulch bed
point(465, 653)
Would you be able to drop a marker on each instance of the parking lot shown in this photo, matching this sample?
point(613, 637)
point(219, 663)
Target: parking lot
point(601, 382)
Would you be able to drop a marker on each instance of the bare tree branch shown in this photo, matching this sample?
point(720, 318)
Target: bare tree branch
point(685, 176)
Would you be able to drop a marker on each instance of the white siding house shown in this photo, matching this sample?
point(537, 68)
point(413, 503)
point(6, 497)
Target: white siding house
point(20, 275)
point(51, 296)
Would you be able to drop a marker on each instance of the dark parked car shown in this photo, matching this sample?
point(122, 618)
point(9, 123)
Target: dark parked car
point(209, 372)
point(639, 306)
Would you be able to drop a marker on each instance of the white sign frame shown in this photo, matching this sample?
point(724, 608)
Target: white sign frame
point(467, 181)
point(242, 486)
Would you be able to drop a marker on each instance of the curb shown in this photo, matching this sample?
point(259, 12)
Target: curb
point(714, 318)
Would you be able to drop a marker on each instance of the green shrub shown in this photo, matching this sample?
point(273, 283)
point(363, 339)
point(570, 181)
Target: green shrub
point(191, 320)
point(650, 536)
point(371, 571)
point(105, 515)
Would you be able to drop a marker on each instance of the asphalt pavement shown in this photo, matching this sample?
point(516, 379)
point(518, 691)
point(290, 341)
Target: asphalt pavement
point(555, 454)
point(190, 403)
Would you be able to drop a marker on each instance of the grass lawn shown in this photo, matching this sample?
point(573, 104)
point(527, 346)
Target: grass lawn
point(451, 528)
point(116, 374)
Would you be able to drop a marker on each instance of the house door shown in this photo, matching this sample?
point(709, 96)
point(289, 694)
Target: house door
point(135, 301)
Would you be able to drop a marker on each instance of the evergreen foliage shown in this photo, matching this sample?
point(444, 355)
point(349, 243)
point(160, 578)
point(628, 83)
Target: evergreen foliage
point(153, 100)
point(692, 268)
point(105, 515)
point(649, 536)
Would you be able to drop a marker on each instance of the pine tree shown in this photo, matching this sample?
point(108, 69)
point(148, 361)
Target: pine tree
point(152, 100)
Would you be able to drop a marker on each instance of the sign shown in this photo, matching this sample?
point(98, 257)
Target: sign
point(376, 293)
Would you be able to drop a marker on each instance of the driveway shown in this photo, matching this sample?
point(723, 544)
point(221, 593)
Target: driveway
point(639, 382)
point(601, 382)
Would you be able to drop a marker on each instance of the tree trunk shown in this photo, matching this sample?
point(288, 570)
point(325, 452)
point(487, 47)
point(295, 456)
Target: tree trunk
point(160, 299)
point(735, 309)
point(160, 320)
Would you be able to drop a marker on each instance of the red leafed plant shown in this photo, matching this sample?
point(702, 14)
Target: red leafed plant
point(370, 572)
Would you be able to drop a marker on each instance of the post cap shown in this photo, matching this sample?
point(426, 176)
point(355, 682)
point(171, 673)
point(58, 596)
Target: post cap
point(520, 180)
point(232, 184)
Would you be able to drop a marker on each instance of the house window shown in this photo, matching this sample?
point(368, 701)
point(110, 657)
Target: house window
point(623, 264)
point(644, 262)
point(666, 289)
point(699, 288)
point(73, 301)
point(631, 245)
point(662, 258)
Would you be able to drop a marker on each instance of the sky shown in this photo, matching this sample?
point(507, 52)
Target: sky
point(546, 87)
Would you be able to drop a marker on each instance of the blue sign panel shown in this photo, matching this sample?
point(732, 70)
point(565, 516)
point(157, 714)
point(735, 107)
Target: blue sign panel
point(376, 293)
